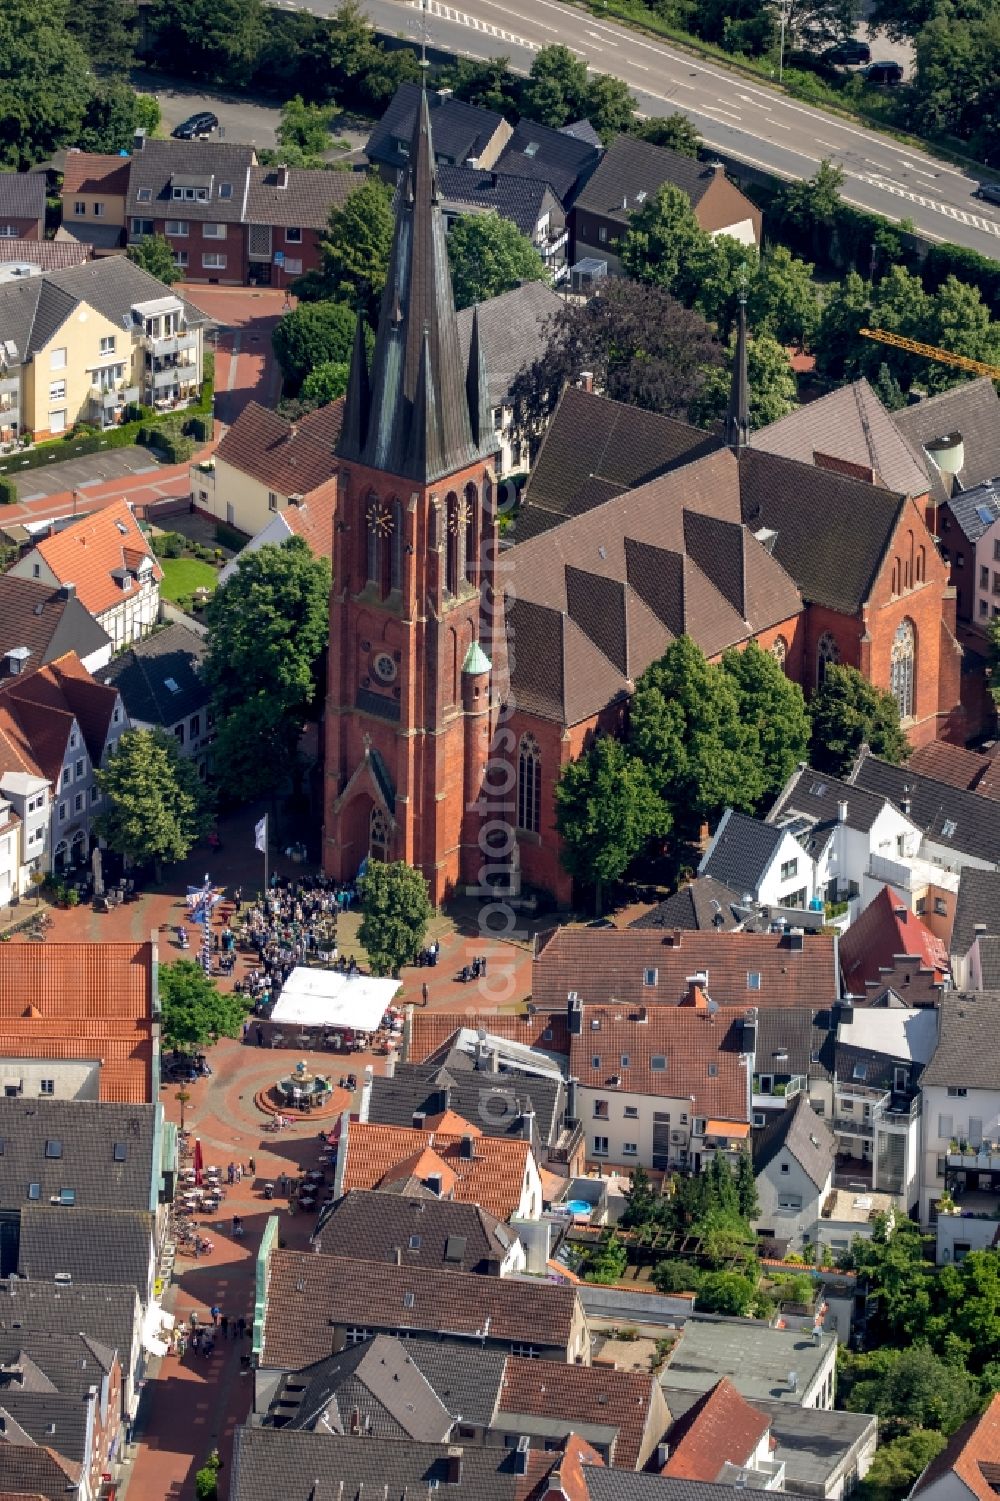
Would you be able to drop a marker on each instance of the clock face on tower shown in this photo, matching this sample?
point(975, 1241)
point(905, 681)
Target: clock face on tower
point(383, 668)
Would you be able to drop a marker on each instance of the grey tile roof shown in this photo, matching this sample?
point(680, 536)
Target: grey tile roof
point(50, 255)
point(697, 905)
point(461, 130)
point(978, 902)
point(989, 961)
point(437, 1234)
point(93, 235)
point(561, 158)
point(621, 1485)
point(36, 1470)
point(212, 164)
point(142, 675)
point(743, 850)
point(833, 531)
point(70, 1144)
point(976, 510)
point(963, 822)
point(804, 1038)
point(378, 1381)
point(305, 202)
point(497, 1105)
point(61, 1422)
point(93, 1245)
point(22, 195)
point(65, 1363)
point(106, 1313)
point(968, 1050)
point(522, 200)
point(971, 409)
point(798, 1130)
point(852, 426)
point(513, 332)
point(595, 448)
point(817, 796)
point(467, 1381)
point(632, 170)
point(35, 615)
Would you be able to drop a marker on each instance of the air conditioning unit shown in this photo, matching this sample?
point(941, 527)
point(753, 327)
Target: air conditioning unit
point(678, 1136)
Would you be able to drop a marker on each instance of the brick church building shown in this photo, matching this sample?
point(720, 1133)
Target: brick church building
point(462, 679)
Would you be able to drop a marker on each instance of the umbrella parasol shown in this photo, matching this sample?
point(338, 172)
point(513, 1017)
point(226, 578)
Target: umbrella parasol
point(199, 1163)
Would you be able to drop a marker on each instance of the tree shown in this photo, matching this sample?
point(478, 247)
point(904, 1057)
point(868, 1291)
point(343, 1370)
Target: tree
point(687, 730)
point(993, 668)
point(918, 1388)
point(847, 712)
point(726, 1292)
point(489, 255)
point(355, 248)
point(774, 706)
point(640, 1200)
point(609, 106)
point(193, 1010)
point(153, 254)
point(267, 632)
point(781, 297)
point(395, 911)
point(154, 800)
point(45, 81)
point(608, 1262)
point(486, 82)
point(959, 321)
point(555, 92)
point(812, 205)
point(606, 810)
point(746, 1187)
point(840, 351)
point(106, 29)
point(893, 1264)
point(305, 128)
point(210, 39)
point(640, 344)
point(314, 333)
point(114, 114)
point(956, 88)
point(325, 382)
point(897, 1465)
point(664, 245)
point(773, 390)
point(672, 1276)
point(675, 131)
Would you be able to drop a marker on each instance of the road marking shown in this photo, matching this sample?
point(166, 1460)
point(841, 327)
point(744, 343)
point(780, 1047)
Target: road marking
point(948, 210)
point(606, 40)
point(678, 83)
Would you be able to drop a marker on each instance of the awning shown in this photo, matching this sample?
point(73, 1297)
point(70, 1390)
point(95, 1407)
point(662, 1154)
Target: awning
point(154, 1325)
point(328, 998)
point(739, 1129)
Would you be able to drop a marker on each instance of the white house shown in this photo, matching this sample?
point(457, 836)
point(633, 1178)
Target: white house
point(960, 1138)
point(793, 1161)
point(764, 863)
point(29, 796)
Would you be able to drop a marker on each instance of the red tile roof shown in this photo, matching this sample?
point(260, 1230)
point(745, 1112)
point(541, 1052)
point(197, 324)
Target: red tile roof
point(971, 770)
point(37, 711)
point(86, 554)
point(971, 1452)
point(313, 519)
point(884, 931)
point(605, 963)
point(291, 458)
point(721, 1428)
point(701, 1053)
point(431, 1032)
point(493, 1177)
point(620, 1399)
point(89, 172)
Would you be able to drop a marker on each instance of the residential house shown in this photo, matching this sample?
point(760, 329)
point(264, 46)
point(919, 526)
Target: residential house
point(23, 257)
point(195, 194)
point(464, 134)
point(965, 1469)
point(976, 515)
point(59, 726)
point(775, 1364)
point(316, 1305)
point(117, 1246)
point(22, 206)
point(793, 1158)
point(27, 1468)
point(11, 856)
point(39, 623)
point(455, 1160)
point(80, 345)
point(528, 203)
point(430, 1035)
point(977, 914)
point(28, 795)
point(702, 903)
point(312, 520)
point(889, 948)
point(763, 861)
point(796, 1056)
point(265, 464)
point(630, 172)
point(106, 558)
point(875, 585)
point(287, 211)
point(161, 687)
point(961, 1123)
point(419, 1229)
point(957, 828)
point(663, 1086)
point(563, 159)
point(513, 331)
point(76, 1024)
point(94, 192)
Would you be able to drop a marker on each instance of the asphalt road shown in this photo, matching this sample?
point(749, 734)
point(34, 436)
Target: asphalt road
point(738, 117)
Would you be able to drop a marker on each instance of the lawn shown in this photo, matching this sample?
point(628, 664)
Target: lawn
point(182, 576)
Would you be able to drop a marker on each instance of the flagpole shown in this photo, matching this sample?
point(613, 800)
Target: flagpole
point(266, 838)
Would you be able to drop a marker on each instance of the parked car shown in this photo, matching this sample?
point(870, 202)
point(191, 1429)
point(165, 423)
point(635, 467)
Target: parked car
point(196, 127)
point(989, 192)
point(848, 53)
point(882, 73)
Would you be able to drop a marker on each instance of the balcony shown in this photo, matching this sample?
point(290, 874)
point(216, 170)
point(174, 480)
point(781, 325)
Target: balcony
point(173, 376)
point(170, 344)
point(569, 1144)
point(984, 1158)
point(10, 388)
point(891, 872)
point(780, 1094)
point(848, 1125)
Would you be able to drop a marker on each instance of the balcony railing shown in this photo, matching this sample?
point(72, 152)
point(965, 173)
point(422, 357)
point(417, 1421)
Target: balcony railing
point(570, 1141)
point(845, 1125)
point(983, 1159)
point(10, 385)
point(174, 375)
point(891, 872)
point(171, 344)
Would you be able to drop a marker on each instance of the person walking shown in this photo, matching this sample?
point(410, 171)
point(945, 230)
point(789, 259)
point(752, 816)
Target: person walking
point(252, 1166)
point(424, 992)
point(216, 1313)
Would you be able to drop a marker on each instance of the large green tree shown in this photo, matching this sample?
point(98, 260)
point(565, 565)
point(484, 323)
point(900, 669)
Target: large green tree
point(773, 389)
point(313, 334)
point(217, 40)
point(848, 712)
point(114, 114)
point(775, 708)
point(487, 83)
point(107, 31)
point(555, 92)
point(193, 1010)
point(675, 131)
point(606, 811)
point(395, 911)
point(609, 106)
point(45, 81)
point(993, 668)
point(917, 1388)
point(153, 254)
point(355, 249)
point(664, 245)
point(489, 255)
point(956, 82)
point(325, 382)
point(154, 800)
point(267, 632)
point(687, 729)
point(304, 131)
point(897, 1465)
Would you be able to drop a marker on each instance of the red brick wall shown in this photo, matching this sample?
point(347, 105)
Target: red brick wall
point(26, 229)
point(233, 247)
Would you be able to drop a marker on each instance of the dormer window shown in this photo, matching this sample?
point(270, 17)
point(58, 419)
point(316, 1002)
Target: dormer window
point(144, 195)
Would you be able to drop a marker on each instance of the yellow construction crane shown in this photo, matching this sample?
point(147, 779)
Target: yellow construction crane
point(931, 352)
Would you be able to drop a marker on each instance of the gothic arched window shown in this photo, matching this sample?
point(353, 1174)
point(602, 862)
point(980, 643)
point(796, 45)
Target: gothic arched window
point(453, 530)
point(529, 785)
point(827, 655)
point(378, 835)
point(779, 651)
point(904, 648)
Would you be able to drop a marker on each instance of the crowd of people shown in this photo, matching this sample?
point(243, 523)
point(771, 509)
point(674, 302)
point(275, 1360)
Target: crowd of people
point(293, 923)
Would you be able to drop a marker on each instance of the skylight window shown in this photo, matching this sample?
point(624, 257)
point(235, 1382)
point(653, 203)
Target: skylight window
point(658, 1063)
point(860, 1072)
point(818, 789)
point(171, 683)
point(948, 828)
point(985, 514)
point(53, 1148)
point(531, 149)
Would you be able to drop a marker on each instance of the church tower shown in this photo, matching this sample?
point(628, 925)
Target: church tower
point(414, 546)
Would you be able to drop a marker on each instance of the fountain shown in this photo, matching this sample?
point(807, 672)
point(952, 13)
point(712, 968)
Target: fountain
point(302, 1089)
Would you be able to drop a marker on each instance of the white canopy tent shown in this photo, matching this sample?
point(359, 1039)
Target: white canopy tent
point(328, 998)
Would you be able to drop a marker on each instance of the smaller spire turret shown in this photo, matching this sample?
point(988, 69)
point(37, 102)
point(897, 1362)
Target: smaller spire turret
point(477, 389)
point(738, 413)
point(357, 405)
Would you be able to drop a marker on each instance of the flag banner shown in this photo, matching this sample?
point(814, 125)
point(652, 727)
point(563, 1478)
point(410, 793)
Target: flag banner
point(260, 835)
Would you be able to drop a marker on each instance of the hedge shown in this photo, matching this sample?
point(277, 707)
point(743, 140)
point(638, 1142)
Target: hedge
point(8, 491)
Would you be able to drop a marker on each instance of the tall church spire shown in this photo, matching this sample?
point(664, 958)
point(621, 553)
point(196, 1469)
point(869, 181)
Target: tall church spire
point(738, 414)
point(477, 389)
point(418, 374)
point(358, 403)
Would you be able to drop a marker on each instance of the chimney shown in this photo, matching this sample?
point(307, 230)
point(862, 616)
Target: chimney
point(696, 994)
point(282, 176)
point(419, 1117)
point(750, 1032)
point(842, 810)
point(527, 1123)
point(139, 139)
point(397, 1255)
point(468, 1148)
point(296, 499)
point(572, 1102)
point(718, 168)
point(979, 927)
point(521, 1454)
point(453, 1468)
point(795, 939)
point(355, 1422)
point(674, 938)
point(574, 1014)
point(433, 1181)
point(900, 911)
point(586, 380)
point(662, 1455)
point(555, 1486)
point(293, 431)
point(442, 1099)
point(905, 804)
point(67, 591)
